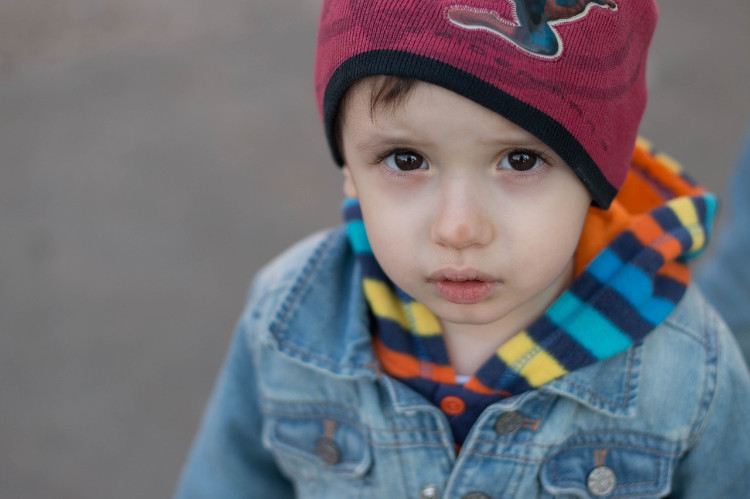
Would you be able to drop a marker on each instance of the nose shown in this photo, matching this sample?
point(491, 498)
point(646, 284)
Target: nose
point(461, 220)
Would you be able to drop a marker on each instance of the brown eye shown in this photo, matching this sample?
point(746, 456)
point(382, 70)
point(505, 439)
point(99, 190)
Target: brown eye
point(520, 161)
point(405, 161)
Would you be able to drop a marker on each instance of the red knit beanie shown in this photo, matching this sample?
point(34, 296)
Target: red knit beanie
point(571, 72)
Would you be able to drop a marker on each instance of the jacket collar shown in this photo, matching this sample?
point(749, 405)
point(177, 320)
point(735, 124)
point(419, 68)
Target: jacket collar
point(318, 317)
point(609, 386)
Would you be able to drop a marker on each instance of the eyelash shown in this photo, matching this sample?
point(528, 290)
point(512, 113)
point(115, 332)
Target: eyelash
point(381, 157)
point(520, 174)
point(528, 174)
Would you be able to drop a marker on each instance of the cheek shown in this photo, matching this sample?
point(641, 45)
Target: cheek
point(389, 235)
point(548, 237)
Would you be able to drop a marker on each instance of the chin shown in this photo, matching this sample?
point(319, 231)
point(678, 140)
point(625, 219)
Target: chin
point(471, 315)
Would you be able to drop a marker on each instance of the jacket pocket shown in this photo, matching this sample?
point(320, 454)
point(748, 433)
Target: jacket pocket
point(605, 469)
point(318, 443)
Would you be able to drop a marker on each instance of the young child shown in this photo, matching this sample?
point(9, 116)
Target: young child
point(507, 312)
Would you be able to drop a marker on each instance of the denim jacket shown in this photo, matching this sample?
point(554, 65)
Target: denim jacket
point(301, 409)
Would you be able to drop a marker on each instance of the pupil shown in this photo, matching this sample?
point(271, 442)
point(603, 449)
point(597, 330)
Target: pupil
point(522, 161)
point(408, 161)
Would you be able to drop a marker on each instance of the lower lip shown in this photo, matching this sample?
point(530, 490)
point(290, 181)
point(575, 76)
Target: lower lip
point(464, 292)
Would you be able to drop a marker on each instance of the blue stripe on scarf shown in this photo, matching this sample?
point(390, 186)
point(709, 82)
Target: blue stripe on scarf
point(588, 326)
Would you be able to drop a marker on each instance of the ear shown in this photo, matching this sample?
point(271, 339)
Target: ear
point(350, 190)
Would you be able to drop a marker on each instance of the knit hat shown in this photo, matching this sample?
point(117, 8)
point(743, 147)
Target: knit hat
point(571, 72)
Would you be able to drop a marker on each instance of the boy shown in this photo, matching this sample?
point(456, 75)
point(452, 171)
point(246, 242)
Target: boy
point(507, 312)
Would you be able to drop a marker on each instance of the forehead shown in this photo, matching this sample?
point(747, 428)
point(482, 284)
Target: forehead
point(382, 92)
point(426, 109)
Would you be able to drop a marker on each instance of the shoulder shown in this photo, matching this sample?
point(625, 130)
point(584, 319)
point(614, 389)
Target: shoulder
point(695, 322)
point(705, 385)
point(294, 287)
point(301, 259)
point(694, 325)
point(690, 363)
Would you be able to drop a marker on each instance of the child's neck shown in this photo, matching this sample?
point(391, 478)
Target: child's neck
point(470, 345)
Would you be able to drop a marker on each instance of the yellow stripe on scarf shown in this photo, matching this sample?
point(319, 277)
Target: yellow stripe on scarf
point(685, 210)
point(523, 355)
point(411, 316)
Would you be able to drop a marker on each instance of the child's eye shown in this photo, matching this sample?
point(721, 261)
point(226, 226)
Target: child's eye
point(405, 161)
point(520, 161)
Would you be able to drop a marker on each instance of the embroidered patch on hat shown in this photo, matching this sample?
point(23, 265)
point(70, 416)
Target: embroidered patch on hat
point(532, 28)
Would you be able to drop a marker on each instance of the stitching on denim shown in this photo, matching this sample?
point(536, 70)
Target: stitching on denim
point(402, 430)
point(694, 335)
point(710, 382)
point(562, 480)
point(289, 448)
point(354, 422)
point(350, 422)
point(409, 443)
point(306, 355)
point(546, 447)
point(530, 444)
point(505, 457)
point(529, 424)
point(287, 307)
point(643, 448)
point(395, 445)
point(294, 448)
point(399, 457)
point(661, 469)
point(301, 283)
point(325, 405)
point(601, 399)
point(366, 435)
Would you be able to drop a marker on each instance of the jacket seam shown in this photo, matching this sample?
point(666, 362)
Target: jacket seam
point(324, 405)
point(707, 402)
point(301, 284)
point(288, 306)
point(608, 401)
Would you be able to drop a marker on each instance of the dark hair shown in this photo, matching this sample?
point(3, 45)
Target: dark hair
point(386, 91)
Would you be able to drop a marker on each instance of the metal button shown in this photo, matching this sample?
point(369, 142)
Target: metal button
point(601, 481)
point(509, 423)
point(476, 495)
point(429, 492)
point(327, 451)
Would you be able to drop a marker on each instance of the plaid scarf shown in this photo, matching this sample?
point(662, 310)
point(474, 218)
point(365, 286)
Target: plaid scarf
point(631, 272)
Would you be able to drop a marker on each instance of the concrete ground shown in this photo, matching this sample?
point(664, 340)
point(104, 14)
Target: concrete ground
point(153, 155)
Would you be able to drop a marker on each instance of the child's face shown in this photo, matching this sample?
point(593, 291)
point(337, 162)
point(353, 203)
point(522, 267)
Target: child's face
point(466, 212)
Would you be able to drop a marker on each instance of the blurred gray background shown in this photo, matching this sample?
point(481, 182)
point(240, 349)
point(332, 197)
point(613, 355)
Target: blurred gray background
point(153, 155)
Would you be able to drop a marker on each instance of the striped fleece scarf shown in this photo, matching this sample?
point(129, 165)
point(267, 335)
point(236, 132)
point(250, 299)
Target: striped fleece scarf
point(630, 274)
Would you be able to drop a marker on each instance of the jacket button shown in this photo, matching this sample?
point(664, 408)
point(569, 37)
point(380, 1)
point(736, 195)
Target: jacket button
point(327, 451)
point(429, 492)
point(475, 495)
point(601, 481)
point(508, 423)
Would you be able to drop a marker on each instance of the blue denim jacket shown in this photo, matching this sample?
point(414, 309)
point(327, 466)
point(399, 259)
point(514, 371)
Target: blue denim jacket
point(301, 409)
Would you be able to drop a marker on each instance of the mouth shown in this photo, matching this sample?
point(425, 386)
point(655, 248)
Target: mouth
point(463, 287)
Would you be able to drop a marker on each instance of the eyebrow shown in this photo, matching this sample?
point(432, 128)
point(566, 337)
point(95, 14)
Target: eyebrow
point(379, 143)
